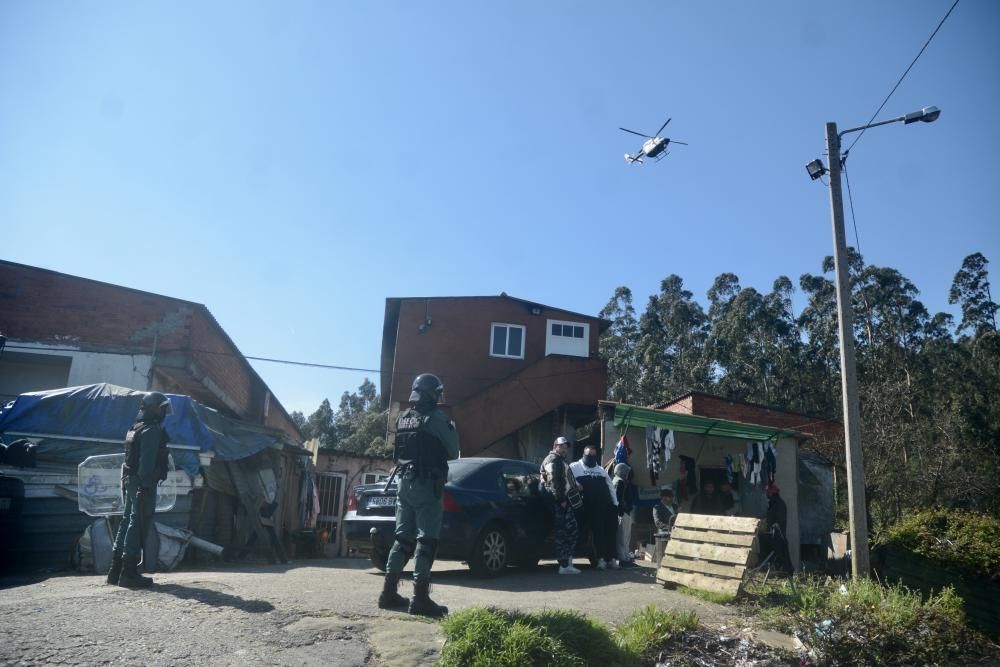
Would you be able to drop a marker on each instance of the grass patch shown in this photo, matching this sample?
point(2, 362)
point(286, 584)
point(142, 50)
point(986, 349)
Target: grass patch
point(649, 629)
point(864, 622)
point(708, 596)
point(482, 637)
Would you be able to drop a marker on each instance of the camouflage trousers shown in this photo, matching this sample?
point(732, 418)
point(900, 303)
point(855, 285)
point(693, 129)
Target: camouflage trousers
point(567, 533)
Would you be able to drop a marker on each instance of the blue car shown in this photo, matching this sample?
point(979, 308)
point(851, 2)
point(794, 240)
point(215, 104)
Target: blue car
point(494, 516)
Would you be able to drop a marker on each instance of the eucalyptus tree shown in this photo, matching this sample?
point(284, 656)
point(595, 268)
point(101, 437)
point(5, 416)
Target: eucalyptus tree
point(971, 289)
point(619, 347)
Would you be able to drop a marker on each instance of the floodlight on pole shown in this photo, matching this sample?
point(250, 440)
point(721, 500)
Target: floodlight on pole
point(857, 509)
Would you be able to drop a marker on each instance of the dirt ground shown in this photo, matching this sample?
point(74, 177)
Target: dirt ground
point(304, 613)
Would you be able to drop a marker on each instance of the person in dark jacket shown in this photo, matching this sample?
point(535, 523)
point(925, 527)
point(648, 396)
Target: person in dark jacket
point(145, 466)
point(558, 482)
point(708, 501)
point(664, 512)
point(599, 505)
point(624, 489)
point(426, 440)
point(777, 520)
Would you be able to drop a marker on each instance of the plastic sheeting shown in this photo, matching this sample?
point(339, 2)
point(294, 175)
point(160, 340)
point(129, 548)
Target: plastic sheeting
point(106, 411)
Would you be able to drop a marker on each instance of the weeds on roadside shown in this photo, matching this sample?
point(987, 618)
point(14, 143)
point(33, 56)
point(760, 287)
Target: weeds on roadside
point(864, 622)
point(649, 629)
point(481, 637)
point(707, 596)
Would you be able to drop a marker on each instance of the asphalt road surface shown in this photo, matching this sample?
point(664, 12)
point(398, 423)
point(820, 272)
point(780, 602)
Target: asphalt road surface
point(309, 612)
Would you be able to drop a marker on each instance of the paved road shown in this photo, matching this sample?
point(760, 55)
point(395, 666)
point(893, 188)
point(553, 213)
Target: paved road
point(309, 612)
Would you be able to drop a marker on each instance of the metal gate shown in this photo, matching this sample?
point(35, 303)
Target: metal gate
point(331, 510)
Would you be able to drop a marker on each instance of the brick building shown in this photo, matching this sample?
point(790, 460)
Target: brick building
point(65, 331)
point(516, 373)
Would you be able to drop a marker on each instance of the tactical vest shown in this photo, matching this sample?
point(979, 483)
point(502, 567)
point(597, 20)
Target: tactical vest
point(416, 448)
point(132, 451)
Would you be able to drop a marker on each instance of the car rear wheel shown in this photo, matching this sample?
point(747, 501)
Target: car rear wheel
point(491, 554)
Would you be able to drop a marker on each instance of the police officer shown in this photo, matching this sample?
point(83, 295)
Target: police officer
point(145, 466)
point(425, 441)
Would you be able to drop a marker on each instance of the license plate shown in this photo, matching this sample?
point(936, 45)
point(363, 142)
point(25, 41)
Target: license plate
point(382, 501)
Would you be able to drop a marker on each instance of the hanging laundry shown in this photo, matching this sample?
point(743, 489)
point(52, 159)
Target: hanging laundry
point(771, 456)
point(666, 438)
point(729, 468)
point(622, 450)
point(652, 453)
point(755, 460)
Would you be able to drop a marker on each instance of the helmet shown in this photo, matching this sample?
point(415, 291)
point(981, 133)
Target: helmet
point(155, 405)
point(428, 387)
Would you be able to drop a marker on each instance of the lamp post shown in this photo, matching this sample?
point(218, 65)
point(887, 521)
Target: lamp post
point(857, 510)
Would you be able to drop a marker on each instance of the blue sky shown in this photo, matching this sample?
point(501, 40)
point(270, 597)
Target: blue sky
point(290, 165)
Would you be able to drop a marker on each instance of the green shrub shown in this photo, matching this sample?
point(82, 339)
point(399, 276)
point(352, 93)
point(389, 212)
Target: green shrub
point(954, 538)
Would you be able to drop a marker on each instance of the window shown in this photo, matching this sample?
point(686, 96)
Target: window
point(567, 338)
point(567, 330)
point(373, 477)
point(507, 340)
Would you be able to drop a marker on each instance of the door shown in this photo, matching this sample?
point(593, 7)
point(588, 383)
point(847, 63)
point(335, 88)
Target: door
point(331, 510)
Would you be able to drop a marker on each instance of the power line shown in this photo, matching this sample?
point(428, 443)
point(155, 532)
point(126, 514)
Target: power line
point(397, 373)
point(877, 111)
point(854, 221)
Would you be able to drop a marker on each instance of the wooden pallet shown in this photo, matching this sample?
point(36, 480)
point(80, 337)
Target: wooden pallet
point(709, 553)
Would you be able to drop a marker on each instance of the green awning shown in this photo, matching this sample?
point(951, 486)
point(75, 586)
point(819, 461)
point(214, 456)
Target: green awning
point(633, 415)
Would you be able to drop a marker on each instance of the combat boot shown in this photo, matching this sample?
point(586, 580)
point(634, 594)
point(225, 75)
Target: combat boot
point(116, 568)
point(422, 604)
point(130, 577)
point(390, 599)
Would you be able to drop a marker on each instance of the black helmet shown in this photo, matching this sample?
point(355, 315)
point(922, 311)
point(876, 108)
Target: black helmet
point(428, 387)
point(155, 405)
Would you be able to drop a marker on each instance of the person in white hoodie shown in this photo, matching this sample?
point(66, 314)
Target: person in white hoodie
point(600, 506)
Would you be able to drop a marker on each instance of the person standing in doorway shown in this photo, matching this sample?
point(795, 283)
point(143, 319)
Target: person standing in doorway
point(145, 466)
point(599, 505)
point(559, 483)
point(426, 440)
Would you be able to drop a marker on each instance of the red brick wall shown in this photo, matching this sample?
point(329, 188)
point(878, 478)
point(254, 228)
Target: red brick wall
point(456, 346)
point(45, 306)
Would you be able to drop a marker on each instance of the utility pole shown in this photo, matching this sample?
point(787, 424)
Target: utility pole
point(858, 512)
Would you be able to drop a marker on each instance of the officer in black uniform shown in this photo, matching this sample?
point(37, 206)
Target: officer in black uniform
point(425, 441)
point(145, 466)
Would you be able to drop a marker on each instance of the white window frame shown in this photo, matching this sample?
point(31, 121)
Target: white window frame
point(493, 329)
point(379, 477)
point(553, 343)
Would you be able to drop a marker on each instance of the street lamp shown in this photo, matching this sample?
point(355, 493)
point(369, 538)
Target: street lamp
point(857, 510)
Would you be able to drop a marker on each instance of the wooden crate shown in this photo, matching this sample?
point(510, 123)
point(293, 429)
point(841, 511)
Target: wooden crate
point(709, 553)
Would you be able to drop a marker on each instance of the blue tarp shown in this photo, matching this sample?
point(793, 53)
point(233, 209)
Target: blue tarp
point(106, 411)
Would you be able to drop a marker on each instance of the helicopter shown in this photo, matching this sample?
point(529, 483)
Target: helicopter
point(655, 146)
